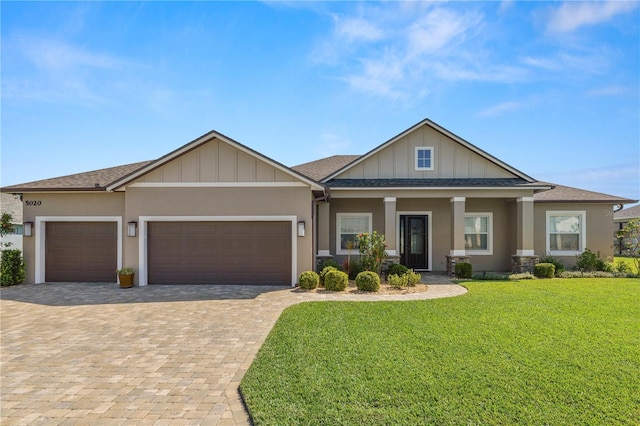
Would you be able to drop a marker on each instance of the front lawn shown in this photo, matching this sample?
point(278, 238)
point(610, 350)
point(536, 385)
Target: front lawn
point(531, 352)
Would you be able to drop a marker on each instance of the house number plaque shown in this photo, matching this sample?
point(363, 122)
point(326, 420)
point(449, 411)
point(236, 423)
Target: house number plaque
point(33, 203)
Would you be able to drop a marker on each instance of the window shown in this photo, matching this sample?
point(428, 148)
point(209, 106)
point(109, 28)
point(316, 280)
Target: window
point(348, 226)
point(565, 232)
point(424, 158)
point(478, 230)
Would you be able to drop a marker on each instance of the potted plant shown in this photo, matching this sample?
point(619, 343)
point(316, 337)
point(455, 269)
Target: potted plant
point(125, 277)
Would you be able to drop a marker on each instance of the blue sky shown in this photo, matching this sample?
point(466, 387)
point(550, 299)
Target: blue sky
point(551, 88)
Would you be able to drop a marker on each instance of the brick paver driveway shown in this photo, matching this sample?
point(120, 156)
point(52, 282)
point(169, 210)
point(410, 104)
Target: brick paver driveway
point(76, 353)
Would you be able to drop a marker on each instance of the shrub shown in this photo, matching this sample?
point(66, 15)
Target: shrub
point(398, 281)
point(336, 280)
point(463, 270)
point(328, 262)
point(522, 276)
point(413, 278)
point(368, 281)
point(556, 262)
point(12, 270)
point(372, 254)
point(490, 276)
point(397, 269)
point(309, 280)
point(544, 270)
point(590, 261)
point(325, 271)
point(355, 268)
point(622, 267)
point(595, 274)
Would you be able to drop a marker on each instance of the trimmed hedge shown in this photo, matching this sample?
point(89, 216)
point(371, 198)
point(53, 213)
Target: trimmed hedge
point(12, 270)
point(544, 270)
point(309, 280)
point(397, 269)
point(336, 280)
point(463, 270)
point(325, 271)
point(368, 281)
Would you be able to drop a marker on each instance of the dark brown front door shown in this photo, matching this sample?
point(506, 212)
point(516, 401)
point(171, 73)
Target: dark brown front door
point(219, 253)
point(81, 251)
point(413, 241)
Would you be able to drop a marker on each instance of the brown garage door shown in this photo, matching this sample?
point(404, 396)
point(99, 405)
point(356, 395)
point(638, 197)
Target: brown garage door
point(219, 253)
point(81, 251)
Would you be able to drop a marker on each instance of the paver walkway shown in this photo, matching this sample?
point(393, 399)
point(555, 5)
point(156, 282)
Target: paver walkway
point(78, 353)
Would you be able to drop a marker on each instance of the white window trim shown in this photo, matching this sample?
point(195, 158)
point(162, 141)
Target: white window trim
point(423, 169)
point(582, 234)
point(40, 238)
point(143, 265)
point(339, 216)
point(489, 250)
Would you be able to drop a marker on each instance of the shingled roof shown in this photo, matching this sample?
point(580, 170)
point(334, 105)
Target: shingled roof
point(319, 169)
point(567, 194)
point(96, 180)
point(627, 214)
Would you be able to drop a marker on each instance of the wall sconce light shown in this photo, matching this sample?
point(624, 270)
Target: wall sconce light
point(301, 228)
point(27, 229)
point(131, 228)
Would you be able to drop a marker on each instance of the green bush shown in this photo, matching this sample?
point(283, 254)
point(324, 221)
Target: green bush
point(622, 267)
point(413, 278)
point(490, 276)
point(355, 268)
point(463, 270)
point(595, 274)
point(309, 280)
point(12, 271)
point(544, 270)
point(589, 261)
point(522, 276)
point(328, 262)
point(556, 262)
point(397, 269)
point(325, 271)
point(336, 280)
point(368, 281)
point(398, 281)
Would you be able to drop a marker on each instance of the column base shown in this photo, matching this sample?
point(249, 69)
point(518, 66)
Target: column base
point(451, 263)
point(521, 264)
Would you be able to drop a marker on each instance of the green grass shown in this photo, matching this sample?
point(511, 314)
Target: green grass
point(533, 352)
point(629, 261)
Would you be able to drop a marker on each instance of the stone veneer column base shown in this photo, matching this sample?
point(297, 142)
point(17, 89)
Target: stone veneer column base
point(451, 263)
point(385, 265)
point(522, 264)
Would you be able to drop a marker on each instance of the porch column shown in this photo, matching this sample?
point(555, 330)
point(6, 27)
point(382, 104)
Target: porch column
point(524, 259)
point(457, 253)
point(322, 221)
point(390, 225)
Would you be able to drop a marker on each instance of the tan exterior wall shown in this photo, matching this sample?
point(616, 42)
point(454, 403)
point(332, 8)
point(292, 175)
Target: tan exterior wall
point(65, 204)
point(504, 236)
point(216, 161)
point(222, 202)
point(451, 160)
point(599, 226)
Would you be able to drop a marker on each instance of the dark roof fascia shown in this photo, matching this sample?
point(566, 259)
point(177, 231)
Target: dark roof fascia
point(194, 144)
point(19, 190)
point(438, 128)
point(436, 184)
point(607, 202)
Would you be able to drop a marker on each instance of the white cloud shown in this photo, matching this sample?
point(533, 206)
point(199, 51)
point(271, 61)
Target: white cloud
point(611, 91)
point(438, 29)
point(356, 29)
point(573, 15)
point(500, 109)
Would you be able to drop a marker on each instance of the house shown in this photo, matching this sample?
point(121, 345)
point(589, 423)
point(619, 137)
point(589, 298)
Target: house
point(620, 219)
point(12, 205)
point(216, 211)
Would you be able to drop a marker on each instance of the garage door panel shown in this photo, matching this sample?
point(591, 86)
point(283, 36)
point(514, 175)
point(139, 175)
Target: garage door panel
point(219, 252)
point(81, 251)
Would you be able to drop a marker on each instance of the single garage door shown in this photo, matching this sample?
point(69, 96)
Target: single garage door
point(219, 252)
point(81, 251)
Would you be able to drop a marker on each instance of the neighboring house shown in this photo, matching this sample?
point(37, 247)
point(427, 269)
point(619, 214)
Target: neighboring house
point(216, 211)
point(12, 205)
point(620, 219)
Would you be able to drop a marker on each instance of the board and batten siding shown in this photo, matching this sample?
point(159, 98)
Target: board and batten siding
point(451, 160)
point(216, 161)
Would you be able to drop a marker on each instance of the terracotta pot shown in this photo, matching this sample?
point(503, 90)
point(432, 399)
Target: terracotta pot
point(126, 281)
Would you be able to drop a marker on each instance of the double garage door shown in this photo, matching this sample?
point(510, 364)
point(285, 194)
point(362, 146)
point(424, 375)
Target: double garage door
point(177, 252)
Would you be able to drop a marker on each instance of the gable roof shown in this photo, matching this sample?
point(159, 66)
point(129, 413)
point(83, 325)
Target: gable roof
point(442, 130)
point(13, 206)
point(322, 168)
point(96, 180)
point(567, 194)
point(123, 181)
point(628, 213)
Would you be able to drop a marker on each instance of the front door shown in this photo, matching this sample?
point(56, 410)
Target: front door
point(413, 241)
